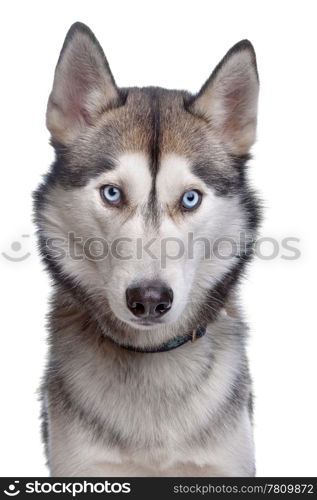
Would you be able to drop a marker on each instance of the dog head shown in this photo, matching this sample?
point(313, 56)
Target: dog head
point(147, 200)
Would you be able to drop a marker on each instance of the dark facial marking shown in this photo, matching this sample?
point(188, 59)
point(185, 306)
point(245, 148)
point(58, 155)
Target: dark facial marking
point(155, 125)
point(215, 178)
point(152, 212)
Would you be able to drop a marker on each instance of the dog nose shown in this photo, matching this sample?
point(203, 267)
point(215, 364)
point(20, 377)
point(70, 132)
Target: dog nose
point(149, 300)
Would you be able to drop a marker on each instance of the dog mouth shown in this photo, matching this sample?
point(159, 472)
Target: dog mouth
point(146, 322)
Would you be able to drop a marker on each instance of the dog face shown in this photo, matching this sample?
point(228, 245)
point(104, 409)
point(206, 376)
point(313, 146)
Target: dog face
point(145, 183)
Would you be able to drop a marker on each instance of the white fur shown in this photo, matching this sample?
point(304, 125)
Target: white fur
point(83, 212)
point(72, 452)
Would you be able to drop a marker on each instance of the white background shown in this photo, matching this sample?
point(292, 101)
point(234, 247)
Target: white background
point(173, 44)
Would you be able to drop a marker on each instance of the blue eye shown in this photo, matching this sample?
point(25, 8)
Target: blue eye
point(111, 194)
point(191, 199)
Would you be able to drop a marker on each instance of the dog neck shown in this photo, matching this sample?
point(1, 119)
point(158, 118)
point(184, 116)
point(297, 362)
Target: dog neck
point(192, 336)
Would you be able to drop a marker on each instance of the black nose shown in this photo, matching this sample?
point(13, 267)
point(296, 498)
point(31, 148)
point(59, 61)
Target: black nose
point(149, 300)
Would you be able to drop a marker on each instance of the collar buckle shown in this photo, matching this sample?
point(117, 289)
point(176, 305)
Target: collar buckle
point(194, 335)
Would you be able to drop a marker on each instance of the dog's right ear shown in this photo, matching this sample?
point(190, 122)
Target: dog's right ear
point(83, 86)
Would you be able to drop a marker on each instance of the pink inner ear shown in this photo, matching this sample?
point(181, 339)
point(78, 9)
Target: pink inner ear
point(78, 111)
point(86, 116)
point(233, 100)
point(235, 105)
point(76, 103)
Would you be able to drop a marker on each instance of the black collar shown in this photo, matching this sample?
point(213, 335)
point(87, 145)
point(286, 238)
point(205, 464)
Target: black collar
point(168, 346)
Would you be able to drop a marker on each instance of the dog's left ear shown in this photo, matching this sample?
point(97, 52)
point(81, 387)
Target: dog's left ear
point(83, 86)
point(228, 100)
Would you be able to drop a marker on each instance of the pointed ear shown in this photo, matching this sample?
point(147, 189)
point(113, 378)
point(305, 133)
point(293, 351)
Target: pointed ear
point(228, 100)
point(83, 86)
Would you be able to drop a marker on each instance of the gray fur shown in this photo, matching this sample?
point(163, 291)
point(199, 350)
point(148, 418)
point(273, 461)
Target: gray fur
point(106, 410)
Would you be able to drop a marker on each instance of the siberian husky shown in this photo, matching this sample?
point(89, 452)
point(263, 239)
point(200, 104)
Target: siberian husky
point(147, 372)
